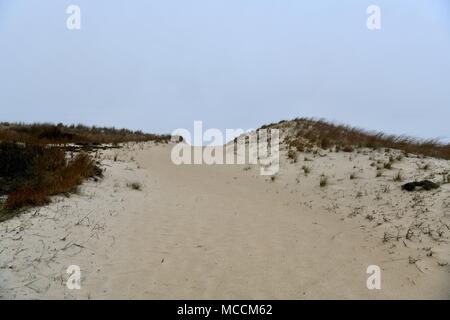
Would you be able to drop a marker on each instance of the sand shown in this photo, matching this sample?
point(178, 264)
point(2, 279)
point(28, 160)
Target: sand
point(226, 232)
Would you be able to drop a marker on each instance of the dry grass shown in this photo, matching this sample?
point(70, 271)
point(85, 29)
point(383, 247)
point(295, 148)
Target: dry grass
point(398, 177)
point(306, 133)
point(40, 172)
point(75, 134)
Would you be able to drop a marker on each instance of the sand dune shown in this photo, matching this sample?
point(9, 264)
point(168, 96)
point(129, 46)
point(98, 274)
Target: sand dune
point(224, 231)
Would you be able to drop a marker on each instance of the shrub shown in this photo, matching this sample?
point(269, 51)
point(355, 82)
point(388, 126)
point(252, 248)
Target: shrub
point(43, 171)
point(26, 164)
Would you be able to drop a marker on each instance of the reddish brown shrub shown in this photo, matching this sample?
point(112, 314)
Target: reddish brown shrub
point(52, 174)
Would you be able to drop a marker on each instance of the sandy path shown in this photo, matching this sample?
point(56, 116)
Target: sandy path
point(207, 232)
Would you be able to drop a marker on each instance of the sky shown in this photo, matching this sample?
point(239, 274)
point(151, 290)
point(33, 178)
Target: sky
point(160, 65)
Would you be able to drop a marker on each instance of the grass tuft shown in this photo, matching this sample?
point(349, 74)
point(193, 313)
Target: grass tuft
point(323, 181)
point(398, 177)
point(306, 170)
point(135, 186)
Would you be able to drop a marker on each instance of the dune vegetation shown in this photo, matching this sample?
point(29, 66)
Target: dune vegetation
point(40, 160)
point(44, 133)
point(304, 134)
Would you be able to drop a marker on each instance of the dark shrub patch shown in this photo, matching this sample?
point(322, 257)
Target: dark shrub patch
point(424, 184)
point(30, 174)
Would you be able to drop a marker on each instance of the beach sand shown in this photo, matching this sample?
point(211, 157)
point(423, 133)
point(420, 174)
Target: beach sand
point(226, 232)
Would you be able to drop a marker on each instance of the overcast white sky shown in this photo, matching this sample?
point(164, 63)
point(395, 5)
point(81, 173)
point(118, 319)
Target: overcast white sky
point(160, 65)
